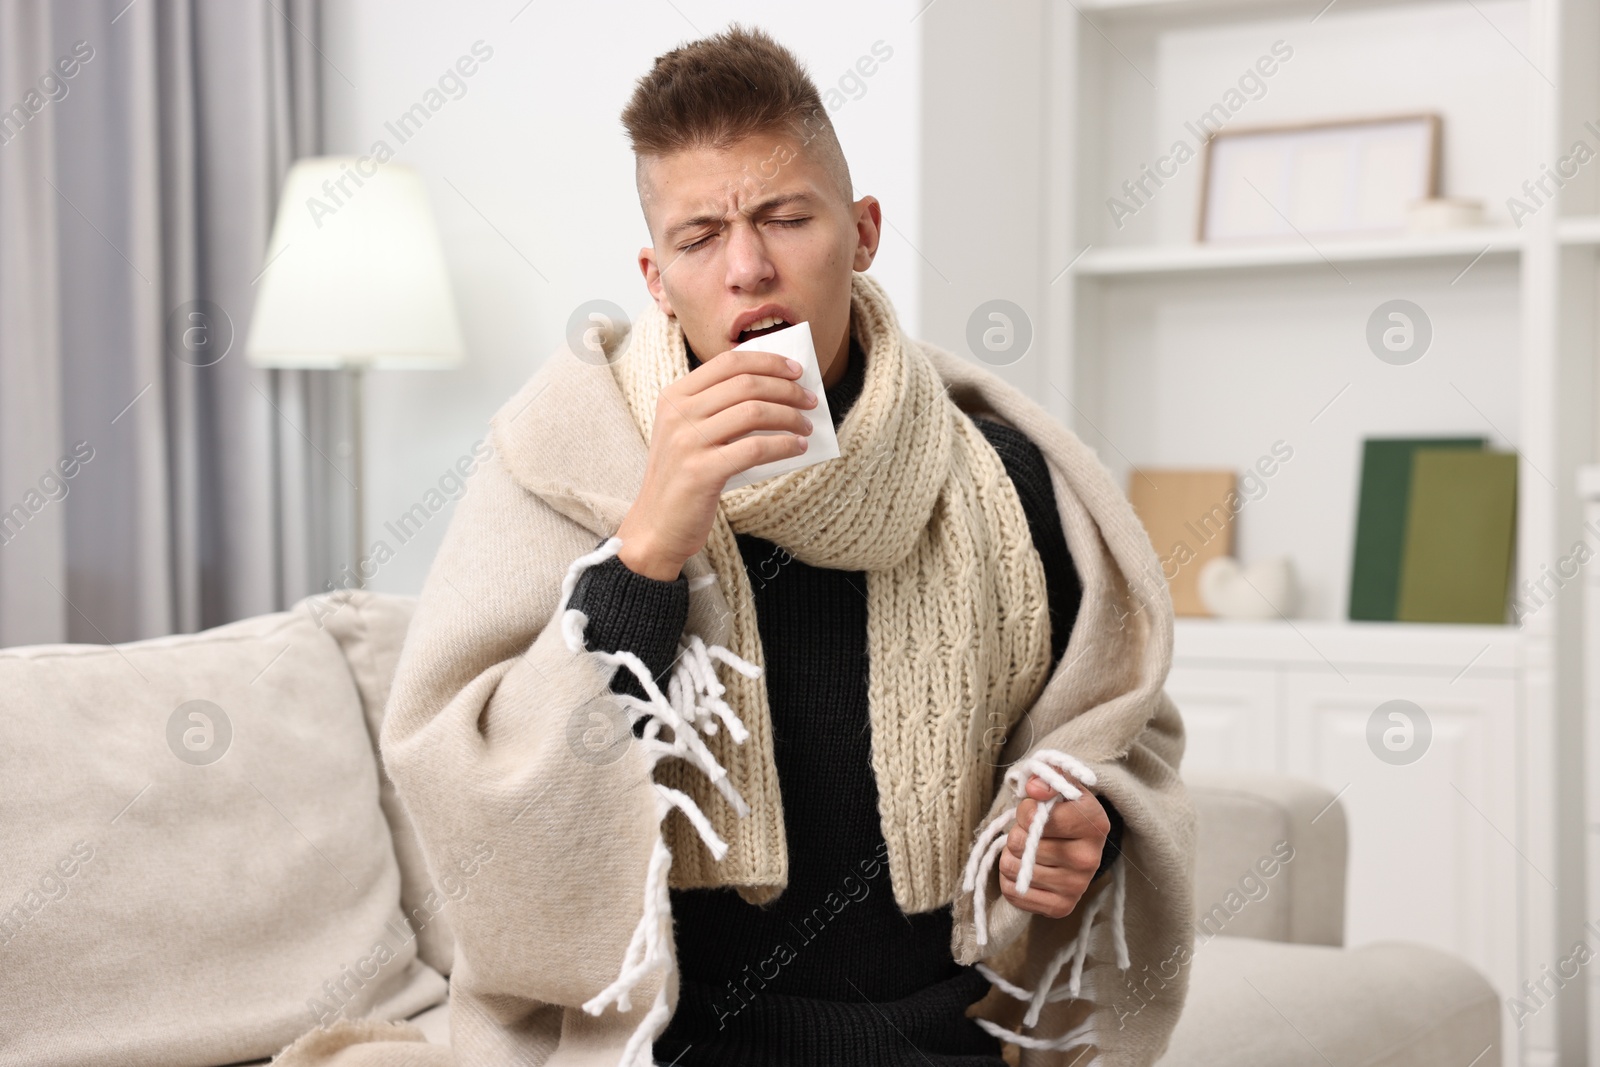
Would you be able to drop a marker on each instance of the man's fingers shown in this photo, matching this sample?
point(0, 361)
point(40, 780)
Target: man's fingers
point(1039, 789)
point(1040, 899)
point(1068, 851)
point(736, 362)
point(1061, 879)
point(1079, 854)
point(1083, 817)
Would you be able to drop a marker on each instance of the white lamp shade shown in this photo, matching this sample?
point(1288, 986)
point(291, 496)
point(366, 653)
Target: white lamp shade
point(355, 273)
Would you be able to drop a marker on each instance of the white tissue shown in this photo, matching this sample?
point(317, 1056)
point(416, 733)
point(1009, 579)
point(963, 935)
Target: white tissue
point(794, 342)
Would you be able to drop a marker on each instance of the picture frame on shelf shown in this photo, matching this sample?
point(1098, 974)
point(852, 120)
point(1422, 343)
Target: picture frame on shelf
point(1329, 178)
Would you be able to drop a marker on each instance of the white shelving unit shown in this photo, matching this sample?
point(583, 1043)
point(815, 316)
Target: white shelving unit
point(1165, 352)
point(1466, 246)
point(1161, 352)
point(1579, 230)
point(1588, 486)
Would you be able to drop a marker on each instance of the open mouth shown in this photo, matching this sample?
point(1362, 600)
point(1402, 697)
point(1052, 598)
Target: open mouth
point(773, 325)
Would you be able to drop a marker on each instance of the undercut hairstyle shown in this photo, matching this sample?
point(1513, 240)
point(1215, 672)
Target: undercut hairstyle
point(719, 90)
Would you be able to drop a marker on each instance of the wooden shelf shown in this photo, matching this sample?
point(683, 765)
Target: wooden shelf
point(1466, 244)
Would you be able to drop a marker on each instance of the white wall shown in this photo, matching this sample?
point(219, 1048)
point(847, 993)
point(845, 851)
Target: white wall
point(532, 182)
point(985, 129)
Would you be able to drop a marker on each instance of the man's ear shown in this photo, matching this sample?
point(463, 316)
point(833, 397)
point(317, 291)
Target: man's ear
point(869, 231)
point(652, 280)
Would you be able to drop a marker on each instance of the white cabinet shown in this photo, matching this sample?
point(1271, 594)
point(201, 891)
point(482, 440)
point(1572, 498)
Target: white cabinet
point(1230, 717)
point(1432, 857)
point(1439, 850)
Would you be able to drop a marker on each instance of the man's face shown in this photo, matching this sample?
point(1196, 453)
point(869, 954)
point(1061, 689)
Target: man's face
point(759, 225)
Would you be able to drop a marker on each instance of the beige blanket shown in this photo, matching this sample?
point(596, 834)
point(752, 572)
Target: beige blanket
point(479, 738)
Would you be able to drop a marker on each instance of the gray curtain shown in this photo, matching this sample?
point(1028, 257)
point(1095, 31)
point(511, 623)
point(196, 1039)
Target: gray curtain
point(151, 481)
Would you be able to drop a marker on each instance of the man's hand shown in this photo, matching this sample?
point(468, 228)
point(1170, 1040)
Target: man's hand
point(696, 448)
point(1068, 855)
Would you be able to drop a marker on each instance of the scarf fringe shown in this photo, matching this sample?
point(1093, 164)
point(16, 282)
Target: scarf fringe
point(1052, 766)
point(693, 699)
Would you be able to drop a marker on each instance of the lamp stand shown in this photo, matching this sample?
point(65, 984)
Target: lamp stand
point(358, 501)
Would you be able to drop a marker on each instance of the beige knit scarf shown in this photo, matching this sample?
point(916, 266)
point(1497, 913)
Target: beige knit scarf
point(958, 622)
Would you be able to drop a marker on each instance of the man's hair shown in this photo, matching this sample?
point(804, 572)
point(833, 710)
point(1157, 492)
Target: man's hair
point(715, 92)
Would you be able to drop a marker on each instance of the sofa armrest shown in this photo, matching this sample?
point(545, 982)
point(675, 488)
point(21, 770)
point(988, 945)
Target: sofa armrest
point(1271, 858)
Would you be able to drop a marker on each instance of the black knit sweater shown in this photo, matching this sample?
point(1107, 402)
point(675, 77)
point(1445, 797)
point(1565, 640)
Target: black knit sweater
point(832, 971)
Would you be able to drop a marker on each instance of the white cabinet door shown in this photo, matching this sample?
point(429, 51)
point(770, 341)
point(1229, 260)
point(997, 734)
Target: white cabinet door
point(1434, 843)
point(1230, 718)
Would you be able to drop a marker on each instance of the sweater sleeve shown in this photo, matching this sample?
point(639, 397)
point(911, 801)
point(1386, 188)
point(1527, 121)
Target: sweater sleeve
point(634, 612)
point(1029, 472)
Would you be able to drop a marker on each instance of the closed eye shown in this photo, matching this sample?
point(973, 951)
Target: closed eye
point(781, 222)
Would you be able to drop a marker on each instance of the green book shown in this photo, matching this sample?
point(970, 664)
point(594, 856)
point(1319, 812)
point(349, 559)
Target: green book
point(1459, 531)
point(1381, 521)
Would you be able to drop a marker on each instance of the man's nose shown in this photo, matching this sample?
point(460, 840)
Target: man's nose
point(748, 264)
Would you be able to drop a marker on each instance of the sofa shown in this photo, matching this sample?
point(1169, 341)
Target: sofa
point(204, 859)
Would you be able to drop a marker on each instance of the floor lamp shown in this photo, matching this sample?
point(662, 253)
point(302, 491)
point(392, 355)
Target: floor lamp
point(354, 279)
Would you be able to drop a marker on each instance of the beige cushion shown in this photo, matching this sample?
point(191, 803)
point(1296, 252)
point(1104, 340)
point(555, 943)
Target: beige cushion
point(1270, 860)
point(1385, 1005)
point(1226, 1022)
point(371, 629)
point(1265, 1004)
point(167, 911)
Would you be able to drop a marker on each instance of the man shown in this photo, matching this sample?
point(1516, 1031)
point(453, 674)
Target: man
point(824, 672)
point(748, 237)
